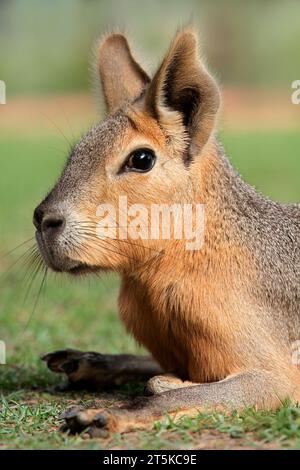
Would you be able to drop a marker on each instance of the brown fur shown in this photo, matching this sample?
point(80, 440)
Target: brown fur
point(223, 317)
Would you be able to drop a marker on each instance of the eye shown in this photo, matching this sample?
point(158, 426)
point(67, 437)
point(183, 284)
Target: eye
point(141, 160)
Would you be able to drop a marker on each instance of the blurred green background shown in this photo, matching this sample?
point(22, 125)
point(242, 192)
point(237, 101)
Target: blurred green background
point(45, 55)
point(45, 44)
point(44, 59)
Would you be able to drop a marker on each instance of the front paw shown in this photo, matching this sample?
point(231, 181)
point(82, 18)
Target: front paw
point(63, 360)
point(85, 370)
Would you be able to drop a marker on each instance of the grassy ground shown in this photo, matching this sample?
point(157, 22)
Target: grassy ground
point(82, 314)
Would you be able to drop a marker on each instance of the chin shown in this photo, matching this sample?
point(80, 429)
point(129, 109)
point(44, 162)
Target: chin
point(74, 268)
point(60, 263)
point(84, 269)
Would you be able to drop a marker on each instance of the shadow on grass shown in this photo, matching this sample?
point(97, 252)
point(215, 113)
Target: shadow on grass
point(27, 378)
point(36, 381)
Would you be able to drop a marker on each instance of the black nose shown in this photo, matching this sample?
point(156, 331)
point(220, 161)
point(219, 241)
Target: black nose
point(53, 222)
point(46, 221)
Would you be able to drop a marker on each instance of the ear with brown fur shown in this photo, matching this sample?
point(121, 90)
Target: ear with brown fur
point(121, 76)
point(182, 88)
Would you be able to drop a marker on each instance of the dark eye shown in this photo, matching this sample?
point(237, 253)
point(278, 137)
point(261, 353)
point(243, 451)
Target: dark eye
point(140, 160)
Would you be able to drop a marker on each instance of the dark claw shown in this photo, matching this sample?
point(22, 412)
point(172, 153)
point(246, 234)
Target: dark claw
point(70, 413)
point(60, 354)
point(147, 392)
point(100, 420)
point(74, 426)
point(55, 355)
point(73, 423)
point(69, 366)
point(46, 357)
point(63, 428)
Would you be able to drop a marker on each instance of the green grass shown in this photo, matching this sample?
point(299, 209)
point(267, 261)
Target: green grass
point(83, 313)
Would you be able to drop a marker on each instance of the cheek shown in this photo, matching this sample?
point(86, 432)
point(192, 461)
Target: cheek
point(88, 212)
point(138, 189)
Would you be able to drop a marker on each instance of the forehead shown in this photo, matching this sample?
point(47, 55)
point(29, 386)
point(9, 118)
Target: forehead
point(87, 155)
point(104, 139)
point(100, 140)
point(108, 138)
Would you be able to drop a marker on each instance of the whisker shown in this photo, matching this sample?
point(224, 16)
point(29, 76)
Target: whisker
point(113, 251)
point(37, 297)
point(38, 263)
point(129, 242)
point(70, 145)
point(16, 247)
point(27, 253)
point(140, 264)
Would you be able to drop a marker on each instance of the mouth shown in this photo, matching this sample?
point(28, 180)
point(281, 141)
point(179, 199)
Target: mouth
point(82, 268)
point(60, 262)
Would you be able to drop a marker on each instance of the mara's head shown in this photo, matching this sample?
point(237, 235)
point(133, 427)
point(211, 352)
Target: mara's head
point(145, 152)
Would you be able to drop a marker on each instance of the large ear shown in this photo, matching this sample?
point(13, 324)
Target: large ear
point(183, 88)
point(121, 76)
